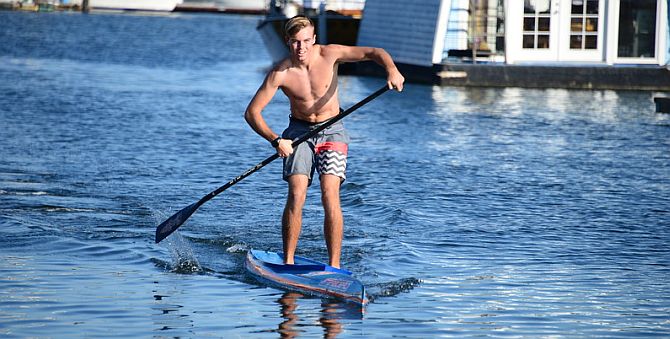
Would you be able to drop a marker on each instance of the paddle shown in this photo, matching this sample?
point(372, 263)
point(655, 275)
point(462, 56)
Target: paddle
point(171, 224)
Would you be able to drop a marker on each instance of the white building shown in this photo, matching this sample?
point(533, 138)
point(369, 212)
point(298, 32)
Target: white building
point(549, 32)
point(587, 31)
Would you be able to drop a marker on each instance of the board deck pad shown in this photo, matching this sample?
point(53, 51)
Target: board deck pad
point(306, 276)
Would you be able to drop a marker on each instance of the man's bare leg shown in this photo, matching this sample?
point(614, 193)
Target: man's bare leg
point(333, 222)
point(292, 218)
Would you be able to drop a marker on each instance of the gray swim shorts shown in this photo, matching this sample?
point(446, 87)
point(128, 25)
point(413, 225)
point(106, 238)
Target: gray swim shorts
point(326, 152)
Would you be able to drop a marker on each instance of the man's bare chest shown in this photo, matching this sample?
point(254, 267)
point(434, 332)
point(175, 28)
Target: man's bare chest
point(313, 83)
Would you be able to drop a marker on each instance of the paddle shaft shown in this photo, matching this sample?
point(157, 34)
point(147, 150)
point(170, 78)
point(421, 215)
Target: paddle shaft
point(171, 224)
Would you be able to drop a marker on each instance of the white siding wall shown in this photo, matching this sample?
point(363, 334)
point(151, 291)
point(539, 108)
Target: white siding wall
point(457, 28)
point(411, 31)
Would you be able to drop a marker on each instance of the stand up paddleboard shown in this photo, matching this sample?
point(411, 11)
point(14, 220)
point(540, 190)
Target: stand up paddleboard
point(305, 276)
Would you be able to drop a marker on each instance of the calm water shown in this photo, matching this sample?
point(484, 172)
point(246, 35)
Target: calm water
point(469, 212)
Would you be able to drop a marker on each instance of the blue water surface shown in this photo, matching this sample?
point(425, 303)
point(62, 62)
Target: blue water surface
point(469, 212)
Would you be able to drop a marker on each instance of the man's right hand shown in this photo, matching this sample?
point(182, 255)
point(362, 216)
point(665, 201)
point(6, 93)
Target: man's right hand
point(285, 148)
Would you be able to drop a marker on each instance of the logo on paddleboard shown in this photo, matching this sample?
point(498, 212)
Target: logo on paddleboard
point(337, 284)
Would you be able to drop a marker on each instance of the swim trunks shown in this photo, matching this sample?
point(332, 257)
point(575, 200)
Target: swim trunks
point(326, 151)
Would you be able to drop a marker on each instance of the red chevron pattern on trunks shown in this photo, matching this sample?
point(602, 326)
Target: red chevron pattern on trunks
point(332, 158)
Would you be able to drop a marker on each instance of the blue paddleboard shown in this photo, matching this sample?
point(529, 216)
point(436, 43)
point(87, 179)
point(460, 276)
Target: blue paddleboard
point(306, 276)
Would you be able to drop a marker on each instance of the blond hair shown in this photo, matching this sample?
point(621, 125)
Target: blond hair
point(295, 24)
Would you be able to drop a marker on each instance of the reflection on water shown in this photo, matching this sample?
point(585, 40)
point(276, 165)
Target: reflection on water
point(331, 314)
point(555, 104)
point(288, 302)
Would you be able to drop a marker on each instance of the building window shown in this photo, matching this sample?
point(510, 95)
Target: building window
point(637, 29)
point(536, 24)
point(584, 24)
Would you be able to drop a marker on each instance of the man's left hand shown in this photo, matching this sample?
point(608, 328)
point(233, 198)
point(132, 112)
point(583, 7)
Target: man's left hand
point(395, 80)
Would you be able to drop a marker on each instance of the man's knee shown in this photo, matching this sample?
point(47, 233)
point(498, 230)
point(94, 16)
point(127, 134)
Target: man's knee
point(330, 187)
point(297, 189)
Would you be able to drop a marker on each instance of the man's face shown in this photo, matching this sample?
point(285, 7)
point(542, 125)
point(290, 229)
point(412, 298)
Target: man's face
point(301, 43)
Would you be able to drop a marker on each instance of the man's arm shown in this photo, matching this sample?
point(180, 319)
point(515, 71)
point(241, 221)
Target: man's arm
point(254, 117)
point(261, 99)
point(378, 55)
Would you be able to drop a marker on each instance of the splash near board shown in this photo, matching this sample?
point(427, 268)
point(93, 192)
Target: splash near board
point(306, 276)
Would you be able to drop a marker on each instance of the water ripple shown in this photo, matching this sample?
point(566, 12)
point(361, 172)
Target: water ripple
point(468, 211)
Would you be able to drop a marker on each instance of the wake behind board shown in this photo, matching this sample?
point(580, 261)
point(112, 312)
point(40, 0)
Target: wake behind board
point(306, 276)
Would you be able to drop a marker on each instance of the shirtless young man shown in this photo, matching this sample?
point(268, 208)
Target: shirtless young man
point(308, 77)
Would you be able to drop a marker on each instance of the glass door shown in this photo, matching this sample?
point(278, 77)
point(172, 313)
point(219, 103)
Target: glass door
point(637, 29)
point(540, 24)
point(556, 30)
point(582, 24)
point(638, 32)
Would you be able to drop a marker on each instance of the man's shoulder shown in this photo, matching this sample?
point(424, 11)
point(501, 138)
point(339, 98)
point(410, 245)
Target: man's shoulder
point(332, 48)
point(277, 73)
point(333, 52)
point(280, 69)
point(282, 66)
point(337, 53)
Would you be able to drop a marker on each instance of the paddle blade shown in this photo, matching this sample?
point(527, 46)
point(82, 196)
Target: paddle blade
point(171, 224)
